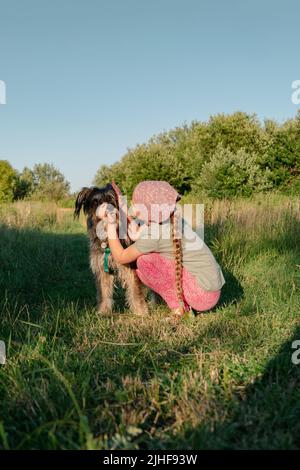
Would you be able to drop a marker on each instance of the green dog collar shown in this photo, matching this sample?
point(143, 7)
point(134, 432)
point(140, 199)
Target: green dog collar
point(106, 256)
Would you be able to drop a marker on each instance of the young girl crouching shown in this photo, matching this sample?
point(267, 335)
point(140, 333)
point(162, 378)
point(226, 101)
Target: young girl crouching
point(171, 258)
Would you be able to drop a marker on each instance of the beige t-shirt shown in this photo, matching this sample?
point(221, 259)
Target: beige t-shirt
point(196, 256)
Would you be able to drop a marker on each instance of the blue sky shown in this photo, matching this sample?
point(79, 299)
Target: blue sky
point(87, 79)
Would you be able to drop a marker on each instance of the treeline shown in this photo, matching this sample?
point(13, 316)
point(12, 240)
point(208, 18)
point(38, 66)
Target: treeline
point(228, 156)
point(43, 182)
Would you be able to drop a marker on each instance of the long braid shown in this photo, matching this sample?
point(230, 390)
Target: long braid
point(177, 246)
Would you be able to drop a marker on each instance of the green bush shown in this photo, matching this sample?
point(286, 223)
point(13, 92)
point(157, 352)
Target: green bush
point(8, 180)
point(282, 157)
point(230, 174)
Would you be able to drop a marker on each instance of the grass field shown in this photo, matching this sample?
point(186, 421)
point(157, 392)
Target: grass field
point(74, 380)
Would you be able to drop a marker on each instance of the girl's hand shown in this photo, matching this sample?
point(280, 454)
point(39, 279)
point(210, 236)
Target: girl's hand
point(101, 211)
point(135, 230)
point(107, 211)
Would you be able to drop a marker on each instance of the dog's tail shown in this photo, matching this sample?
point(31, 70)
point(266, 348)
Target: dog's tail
point(81, 200)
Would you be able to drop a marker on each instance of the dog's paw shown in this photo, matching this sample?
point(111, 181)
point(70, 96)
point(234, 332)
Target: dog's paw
point(142, 310)
point(105, 309)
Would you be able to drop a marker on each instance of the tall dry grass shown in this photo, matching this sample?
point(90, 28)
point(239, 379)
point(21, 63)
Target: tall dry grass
point(34, 214)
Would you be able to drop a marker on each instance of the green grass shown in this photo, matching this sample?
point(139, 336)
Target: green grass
point(74, 380)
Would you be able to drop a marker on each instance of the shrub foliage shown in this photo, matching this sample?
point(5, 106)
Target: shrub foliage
point(228, 156)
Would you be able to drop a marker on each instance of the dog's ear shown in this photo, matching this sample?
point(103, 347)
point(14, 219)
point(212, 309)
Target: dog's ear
point(81, 199)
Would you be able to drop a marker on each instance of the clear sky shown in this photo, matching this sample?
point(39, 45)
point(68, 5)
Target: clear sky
point(86, 79)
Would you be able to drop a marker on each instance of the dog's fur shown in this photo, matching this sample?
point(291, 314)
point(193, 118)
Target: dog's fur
point(90, 199)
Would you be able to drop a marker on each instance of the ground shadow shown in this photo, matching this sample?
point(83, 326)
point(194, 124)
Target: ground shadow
point(232, 291)
point(267, 416)
point(38, 267)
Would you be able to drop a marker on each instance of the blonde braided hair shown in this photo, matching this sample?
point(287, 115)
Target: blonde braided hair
point(176, 227)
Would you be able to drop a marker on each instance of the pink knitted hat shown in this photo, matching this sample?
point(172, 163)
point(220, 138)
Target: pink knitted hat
point(155, 200)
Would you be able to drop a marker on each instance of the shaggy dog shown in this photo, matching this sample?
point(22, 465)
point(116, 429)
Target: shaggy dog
point(90, 199)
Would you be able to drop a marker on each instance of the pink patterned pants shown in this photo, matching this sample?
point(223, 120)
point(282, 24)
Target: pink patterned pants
point(158, 273)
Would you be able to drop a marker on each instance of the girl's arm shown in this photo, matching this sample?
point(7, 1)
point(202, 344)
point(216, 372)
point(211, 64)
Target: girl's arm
point(120, 254)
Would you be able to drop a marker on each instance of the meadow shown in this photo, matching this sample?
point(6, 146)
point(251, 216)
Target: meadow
point(220, 380)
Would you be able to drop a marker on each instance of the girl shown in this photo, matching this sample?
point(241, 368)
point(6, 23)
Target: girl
point(171, 259)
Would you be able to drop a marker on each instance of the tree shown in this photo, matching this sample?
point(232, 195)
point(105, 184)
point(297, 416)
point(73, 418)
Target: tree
point(24, 184)
point(235, 131)
point(103, 176)
point(49, 183)
point(283, 155)
point(230, 174)
point(8, 179)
